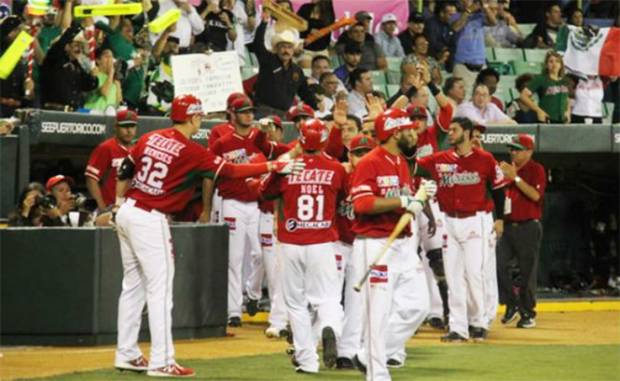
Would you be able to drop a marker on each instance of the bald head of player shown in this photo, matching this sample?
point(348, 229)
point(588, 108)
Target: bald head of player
point(460, 135)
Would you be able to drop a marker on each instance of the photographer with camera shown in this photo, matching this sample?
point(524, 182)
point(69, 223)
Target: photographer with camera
point(66, 208)
point(31, 205)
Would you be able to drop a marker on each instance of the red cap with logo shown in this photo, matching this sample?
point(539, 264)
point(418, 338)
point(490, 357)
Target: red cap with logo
point(241, 104)
point(522, 142)
point(416, 112)
point(362, 142)
point(184, 106)
point(391, 121)
point(313, 134)
point(126, 118)
point(55, 180)
point(299, 110)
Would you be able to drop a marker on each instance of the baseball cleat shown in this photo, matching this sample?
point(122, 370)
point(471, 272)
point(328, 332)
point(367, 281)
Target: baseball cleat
point(141, 364)
point(359, 365)
point(290, 350)
point(526, 322)
point(330, 353)
point(393, 363)
point(173, 370)
point(234, 321)
point(510, 315)
point(285, 334)
point(344, 363)
point(453, 337)
point(252, 307)
point(478, 334)
point(436, 323)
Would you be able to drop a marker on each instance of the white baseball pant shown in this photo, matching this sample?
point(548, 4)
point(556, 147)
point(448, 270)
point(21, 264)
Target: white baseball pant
point(277, 314)
point(351, 338)
point(309, 275)
point(395, 301)
point(242, 219)
point(428, 242)
point(489, 265)
point(216, 207)
point(463, 260)
point(148, 273)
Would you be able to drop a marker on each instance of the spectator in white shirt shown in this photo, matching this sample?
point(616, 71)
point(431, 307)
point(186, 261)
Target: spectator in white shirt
point(480, 109)
point(361, 81)
point(387, 37)
point(189, 24)
point(588, 99)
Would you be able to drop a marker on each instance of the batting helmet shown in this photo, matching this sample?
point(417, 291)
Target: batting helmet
point(390, 121)
point(299, 110)
point(313, 134)
point(184, 106)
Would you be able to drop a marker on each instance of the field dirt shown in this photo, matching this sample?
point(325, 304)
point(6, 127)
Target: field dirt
point(553, 328)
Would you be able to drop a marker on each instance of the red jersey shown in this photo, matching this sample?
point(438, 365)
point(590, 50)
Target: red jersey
point(219, 131)
point(380, 174)
point(307, 212)
point(102, 166)
point(346, 215)
point(238, 149)
point(434, 138)
point(520, 208)
point(167, 168)
point(463, 181)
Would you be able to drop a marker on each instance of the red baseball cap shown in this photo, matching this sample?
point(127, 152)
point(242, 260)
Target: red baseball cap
point(276, 120)
point(416, 112)
point(55, 180)
point(300, 109)
point(241, 104)
point(126, 118)
point(361, 142)
point(522, 142)
point(232, 97)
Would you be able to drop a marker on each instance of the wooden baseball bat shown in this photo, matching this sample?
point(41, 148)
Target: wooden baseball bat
point(402, 224)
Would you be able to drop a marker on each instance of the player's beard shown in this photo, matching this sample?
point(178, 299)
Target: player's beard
point(406, 147)
point(459, 140)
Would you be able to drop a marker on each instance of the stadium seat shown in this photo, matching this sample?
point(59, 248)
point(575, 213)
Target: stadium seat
point(508, 54)
point(526, 29)
point(393, 77)
point(504, 94)
point(535, 55)
point(392, 89)
point(489, 54)
point(380, 88)
point(394, 63)
point(521, 67)
point(335, 61)
point(608, 111)
point(501, 67)
point(507, 81)
point(378, 77)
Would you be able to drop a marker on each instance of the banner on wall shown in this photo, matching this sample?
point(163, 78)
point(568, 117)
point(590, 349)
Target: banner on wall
point(210, 77)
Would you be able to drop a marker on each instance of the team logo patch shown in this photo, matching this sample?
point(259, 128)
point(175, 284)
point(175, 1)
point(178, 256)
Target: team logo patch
point(231, 222)
point(266, 240)
point(378, 274)
point(339, 262)
point(291, 225)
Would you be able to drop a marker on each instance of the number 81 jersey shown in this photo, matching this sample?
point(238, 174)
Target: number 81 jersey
point(168, 166)
point(308, 201)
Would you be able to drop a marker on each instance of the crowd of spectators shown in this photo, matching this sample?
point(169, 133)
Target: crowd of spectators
point(98, 64)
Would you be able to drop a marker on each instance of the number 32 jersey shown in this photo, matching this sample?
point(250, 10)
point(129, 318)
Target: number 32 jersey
point(307, 211)
point(168, 166)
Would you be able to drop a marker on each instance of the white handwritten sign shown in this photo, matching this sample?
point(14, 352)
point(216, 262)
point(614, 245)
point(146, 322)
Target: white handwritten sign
point(210, 77)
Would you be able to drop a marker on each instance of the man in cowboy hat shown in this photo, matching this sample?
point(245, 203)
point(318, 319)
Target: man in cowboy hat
point(279, 78)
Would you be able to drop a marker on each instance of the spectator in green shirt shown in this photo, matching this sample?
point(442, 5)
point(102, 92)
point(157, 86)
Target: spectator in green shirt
point(108, 92)
point(552, 88)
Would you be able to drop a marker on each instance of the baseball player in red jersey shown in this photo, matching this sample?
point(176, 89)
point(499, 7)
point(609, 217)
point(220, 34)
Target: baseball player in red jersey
point(307, 232)
point(351, 336)
point(240, 207)
point(463, 175)
point(107, 157)
point(301, 112)
point(395, 298)
point(158, 167)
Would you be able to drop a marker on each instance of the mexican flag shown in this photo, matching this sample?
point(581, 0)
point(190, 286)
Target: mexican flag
point(590, 51)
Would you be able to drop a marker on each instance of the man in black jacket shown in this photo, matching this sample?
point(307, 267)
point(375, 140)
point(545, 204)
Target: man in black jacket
point(63, 80)
point(279, 79)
